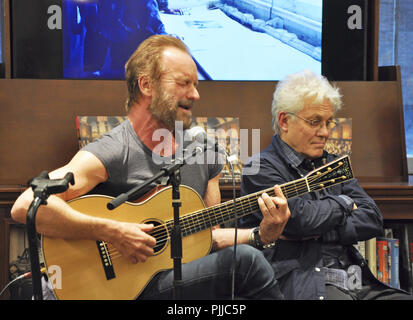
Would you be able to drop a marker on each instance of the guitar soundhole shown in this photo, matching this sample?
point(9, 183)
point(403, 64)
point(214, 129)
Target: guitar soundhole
point(160, 233)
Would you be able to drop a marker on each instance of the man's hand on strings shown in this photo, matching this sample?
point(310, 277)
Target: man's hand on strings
point(275, 213)
point(133, 241)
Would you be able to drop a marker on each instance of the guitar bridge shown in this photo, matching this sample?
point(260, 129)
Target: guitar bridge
point(106, 260)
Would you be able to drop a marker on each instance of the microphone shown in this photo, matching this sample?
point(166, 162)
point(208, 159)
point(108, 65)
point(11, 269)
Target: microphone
point(198, 134)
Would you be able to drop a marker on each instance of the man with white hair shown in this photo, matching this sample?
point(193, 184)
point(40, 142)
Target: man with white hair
point(315, 258)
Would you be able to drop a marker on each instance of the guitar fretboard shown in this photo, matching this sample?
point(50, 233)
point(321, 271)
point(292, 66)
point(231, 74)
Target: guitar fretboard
point(234, 209)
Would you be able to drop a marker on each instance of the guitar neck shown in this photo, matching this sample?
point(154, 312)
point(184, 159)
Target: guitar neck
point(235, 209)
point(326, 176)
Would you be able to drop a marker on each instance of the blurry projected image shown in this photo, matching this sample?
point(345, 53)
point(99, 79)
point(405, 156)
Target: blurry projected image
point(229, 39)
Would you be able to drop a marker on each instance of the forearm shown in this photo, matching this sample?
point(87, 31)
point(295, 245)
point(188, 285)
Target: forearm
point(225, 237)
point(363, 218)
point(58, 219)
point(275, 213)
point(313, 217)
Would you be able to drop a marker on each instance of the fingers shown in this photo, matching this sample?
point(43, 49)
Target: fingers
point(266, 204)
point(144, 245)
point(134, 241)
point(145, 227)
point(271, 205)
point(275, 213)
point(148, 239)
point(278, 192)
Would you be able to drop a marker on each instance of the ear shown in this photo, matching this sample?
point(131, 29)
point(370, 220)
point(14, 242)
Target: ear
point(283, 120)
point(145, 85)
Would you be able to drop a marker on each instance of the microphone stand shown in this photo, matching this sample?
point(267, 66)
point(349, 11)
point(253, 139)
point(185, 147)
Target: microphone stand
point(42, 187)
point(171, 171)
point(176, 236)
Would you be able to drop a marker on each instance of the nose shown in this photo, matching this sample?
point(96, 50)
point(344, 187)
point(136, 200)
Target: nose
point(323, 131)
point(194, 94)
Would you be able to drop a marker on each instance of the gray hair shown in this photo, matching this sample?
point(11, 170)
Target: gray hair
point(292, 93)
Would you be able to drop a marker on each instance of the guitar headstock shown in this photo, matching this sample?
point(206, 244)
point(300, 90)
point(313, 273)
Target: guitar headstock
point(330, 174)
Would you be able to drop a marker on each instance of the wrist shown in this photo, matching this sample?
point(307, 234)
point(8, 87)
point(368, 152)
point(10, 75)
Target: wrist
point(255, 240)
point(105, 230)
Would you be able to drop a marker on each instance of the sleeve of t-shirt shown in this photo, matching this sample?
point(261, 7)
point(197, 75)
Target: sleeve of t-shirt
point(108, 150)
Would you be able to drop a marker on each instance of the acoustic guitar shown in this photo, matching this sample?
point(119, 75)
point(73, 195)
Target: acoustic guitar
point(95, 270)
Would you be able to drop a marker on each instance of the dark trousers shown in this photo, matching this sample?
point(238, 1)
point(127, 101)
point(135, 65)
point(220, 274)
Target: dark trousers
point(367, 292)
point(210, 278)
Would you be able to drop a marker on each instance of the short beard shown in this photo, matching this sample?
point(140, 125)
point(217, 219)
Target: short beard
point(165, 111)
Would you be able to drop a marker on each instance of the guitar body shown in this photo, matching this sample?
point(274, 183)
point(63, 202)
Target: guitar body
point(81, 268)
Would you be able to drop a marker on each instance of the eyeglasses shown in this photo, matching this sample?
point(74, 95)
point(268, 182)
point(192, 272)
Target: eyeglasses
point(317, 123)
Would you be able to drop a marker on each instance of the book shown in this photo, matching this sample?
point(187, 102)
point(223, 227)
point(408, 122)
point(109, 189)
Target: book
point(90, 128)
point(403, 231)
point(371, 255)
point(409, 242)
point(361, 247)
point(340, 139)
point(226, 132)
point(388, 261)
point(411, 260)
point(382, 260)
point(393, 245)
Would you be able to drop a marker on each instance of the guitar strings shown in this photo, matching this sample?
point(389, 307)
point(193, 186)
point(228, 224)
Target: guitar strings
point(286, 189)
point(196, 220)
point(190, 217)
point(207, 222)
point(188, 223)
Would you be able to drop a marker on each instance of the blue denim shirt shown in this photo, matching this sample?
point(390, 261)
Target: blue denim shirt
point(328, 214)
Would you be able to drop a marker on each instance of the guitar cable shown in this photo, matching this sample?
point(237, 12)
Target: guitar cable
point(198, 133)
point(26, 275)
point(229, 160)
point(234, 196)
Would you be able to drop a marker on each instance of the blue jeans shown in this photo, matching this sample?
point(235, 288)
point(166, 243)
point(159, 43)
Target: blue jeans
point(211, 277)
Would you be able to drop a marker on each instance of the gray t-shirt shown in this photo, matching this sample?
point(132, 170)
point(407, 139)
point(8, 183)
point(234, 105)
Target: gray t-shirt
point(129, 163)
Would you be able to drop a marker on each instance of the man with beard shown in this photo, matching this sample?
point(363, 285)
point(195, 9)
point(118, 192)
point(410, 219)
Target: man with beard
point(162, 84)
